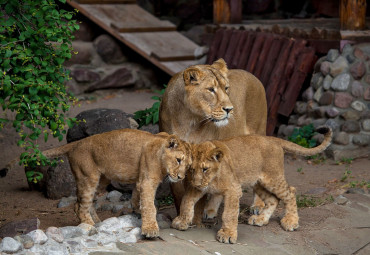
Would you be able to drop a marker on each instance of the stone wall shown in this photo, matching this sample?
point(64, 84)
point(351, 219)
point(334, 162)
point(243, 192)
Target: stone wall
point(339, 96)
point(99, 62)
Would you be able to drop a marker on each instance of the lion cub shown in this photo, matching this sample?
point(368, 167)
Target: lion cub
point(129, 156)
point(224, 167)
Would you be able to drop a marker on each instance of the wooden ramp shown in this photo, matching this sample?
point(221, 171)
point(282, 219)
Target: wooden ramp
point(156, 40)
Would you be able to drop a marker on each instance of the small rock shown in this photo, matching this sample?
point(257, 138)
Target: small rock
point(355, 191)
point(38, 236)
point(325, 67)
point(341, 138)
point(9, 245)
point(85, 51)
point(316, 80)
point(367, 94)
point(14, 228)
point(351, 126)
point(333, 124)
point(114, 196)
point(55, 234)
point(125, 197)
point(300, 107)
point(326, 84)
point(358, 70)
point(339, 66)
point(318, 94)
point(358, 106)
point(342, 100)
point(327, 98)
point(361, 139)
point(367, 78)
point(351, 115)
point(293, 119)
point(108, 49)
point(281, 130)
point(288, 130)
point(301, 120)
point(308, 94)
point(74, 247)
point(25, 240)
point(341, 82)
point(347, 49)
point(129, 221)
point(67, 201)
point(117, 208)
point(332, 55)
point(128, 238)
point(154, 129)
point(106, 207)
point(85, 75)
point(332, 112)
point(340, 200)
point(164, 221)
point(109, 225)
point(318, 63)
point(87, 229)
point(358, 53)
point(71, 232)
point(365, 114)
point(350, 58)
point(103, 238)
point(366, 125)
point(357, 89)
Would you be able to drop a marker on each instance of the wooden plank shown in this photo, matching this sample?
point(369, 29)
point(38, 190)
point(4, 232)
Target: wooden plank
point(255, 52)
point(213, 49)
point(263, 55)
point(352, 14)
point(221, 11)
point(224, 43)
point(245, 55)
point(239, 49)
point(163, 46)
point(271, 61)
point(303, 66)
point(231, 48)
point(178, 66)
point(106, 1)
point(128, 18)
point(359, 36)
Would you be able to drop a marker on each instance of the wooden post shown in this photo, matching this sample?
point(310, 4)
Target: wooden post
point(227, 11)
point(352, 14)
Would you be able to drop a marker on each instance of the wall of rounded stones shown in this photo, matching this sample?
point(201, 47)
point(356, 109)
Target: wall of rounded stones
point(99, 62)
point(338, 96)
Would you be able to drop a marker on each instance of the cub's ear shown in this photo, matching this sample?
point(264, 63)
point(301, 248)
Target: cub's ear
point(216, 154)
point(173, 142)
point(192, 76)
point(221, 65)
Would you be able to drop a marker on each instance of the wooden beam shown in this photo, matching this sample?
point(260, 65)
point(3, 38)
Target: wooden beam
point(352, 14)
point(227, 11)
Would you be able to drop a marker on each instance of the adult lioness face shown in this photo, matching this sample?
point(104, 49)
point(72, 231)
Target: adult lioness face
point(207, 93)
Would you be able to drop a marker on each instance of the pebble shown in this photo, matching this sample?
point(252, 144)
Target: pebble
point(332, 112)
point(332, 55)
point(55, 234)
point(327, 82)
point(341, 82)
point(114, 196)
point(341, 138)
point(318, 94)
point(317, 80)
point(71, 231)
point(125, 197)
point(361, 139)
point(355, 191)
point(351, 115)
point(10, 245)
point(327, 98)
point(367, 94)
point(25, 240)
point(340, 200)
point(325, 67)
point(366, 125)
point(38, 236)
point(358, 70)
point(357, 89)
point(67, 201)
point(333, 124)
point(358, 106)
point(340, 65)
point(351, 126)
point(342, 100)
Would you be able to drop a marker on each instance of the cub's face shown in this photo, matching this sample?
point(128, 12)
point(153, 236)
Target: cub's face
point(177, 158)
point(205, 166)
point(207, 93)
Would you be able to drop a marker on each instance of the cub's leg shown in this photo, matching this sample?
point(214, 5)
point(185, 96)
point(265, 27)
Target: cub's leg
point(212, 206)
point(149, 226)
point(257, 205)
point(271, 203)
point(191, 197)
point(281, 189)
point(229, 230)
point(198, 212)
point(86, 187)
point(135, 200)
point(178, 191)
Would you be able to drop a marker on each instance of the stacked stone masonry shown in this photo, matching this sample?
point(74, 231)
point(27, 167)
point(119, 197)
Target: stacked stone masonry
point(338, 96)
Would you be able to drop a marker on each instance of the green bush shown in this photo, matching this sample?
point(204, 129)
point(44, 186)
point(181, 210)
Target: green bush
point(303, 136)
point(150, 115)
point(35, 40)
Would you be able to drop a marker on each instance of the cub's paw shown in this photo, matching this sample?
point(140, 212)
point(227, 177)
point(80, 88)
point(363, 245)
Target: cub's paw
point(258, 220)
point(227, 236)
point(179, 223)
point(289, 223)
point(209, 214)
point(150, 230)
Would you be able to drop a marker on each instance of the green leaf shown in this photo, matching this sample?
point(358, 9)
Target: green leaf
point(46, 136)
point(8, 53)
point(53, 125)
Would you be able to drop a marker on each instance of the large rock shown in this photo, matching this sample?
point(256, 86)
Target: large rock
point(357, 89)
point(358, 70)
point(342, 100)
point(108, 49)
point(341, 82)
point(85, 33)
point(340, 65)
point(85, 53)
point(85, 75)
point(98, 121)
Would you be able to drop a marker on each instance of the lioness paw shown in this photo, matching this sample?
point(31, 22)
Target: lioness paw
point(150, 231)
point(258, 220)
point(289, 223)
point(179, 223)
point(227, 236)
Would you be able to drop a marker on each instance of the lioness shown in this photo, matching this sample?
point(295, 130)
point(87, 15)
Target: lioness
point(208, 102)
point(224, 167)
point(129, 156)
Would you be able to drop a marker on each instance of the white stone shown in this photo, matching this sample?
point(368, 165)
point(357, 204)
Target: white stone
point(366, 125)
point(340, 65)
point(318, 94)
point(87, 229)
point(9, 245)
point(129, 221)
point(71, 232)
point(38, 236)
point(55, 234)
point(358, 106)
point(114, 196)
point(327, 82)
point(341, 82)
point(130, 238)
point(110, 225)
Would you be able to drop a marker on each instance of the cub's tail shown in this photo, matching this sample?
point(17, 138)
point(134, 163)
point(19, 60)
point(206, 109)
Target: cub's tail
point(52, 153)
point(299, 150)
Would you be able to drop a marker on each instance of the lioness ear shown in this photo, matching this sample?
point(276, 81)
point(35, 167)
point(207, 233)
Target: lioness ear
point(217, 154)
point(221, 65)
point(192, 76)
point(173, 142)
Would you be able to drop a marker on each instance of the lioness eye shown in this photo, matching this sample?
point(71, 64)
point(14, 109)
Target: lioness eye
point(226, 88)
point(205, 169)
point(178, 160)
point(212, 90)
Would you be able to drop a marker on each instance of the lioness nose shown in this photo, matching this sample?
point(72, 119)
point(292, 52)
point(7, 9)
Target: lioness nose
point(227, 109)
point(179, 177)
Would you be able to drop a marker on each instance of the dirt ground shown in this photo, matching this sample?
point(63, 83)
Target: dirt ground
point(320, 180)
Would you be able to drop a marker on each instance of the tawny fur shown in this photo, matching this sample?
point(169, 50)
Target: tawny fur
point(196, 103)
point(128, 156)
point(224, 167)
